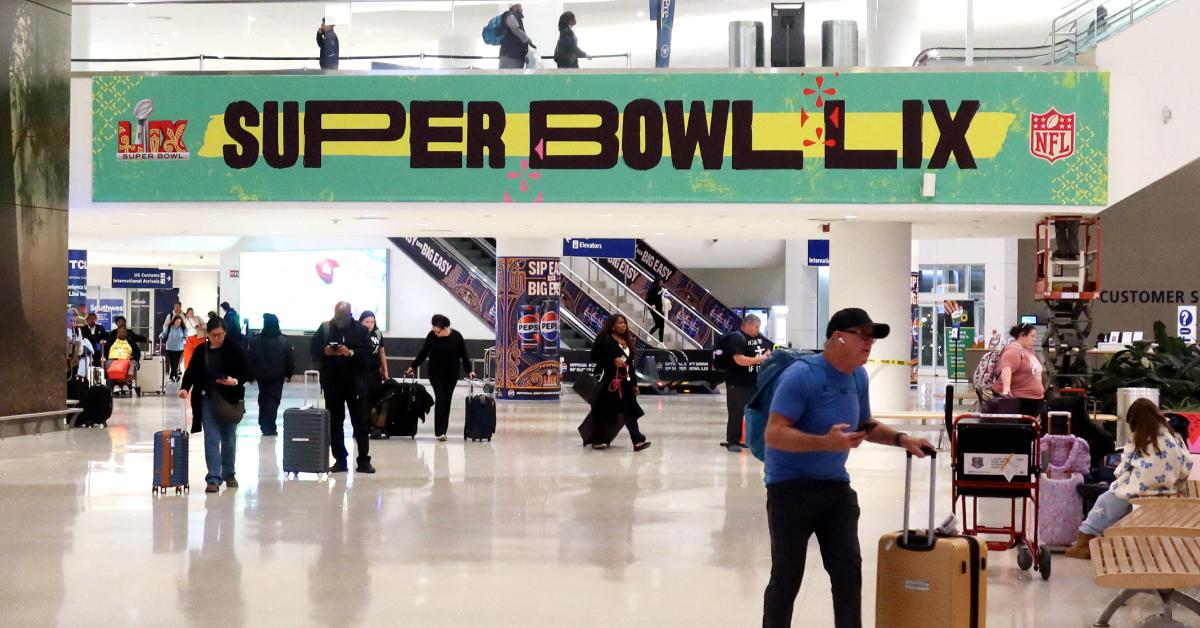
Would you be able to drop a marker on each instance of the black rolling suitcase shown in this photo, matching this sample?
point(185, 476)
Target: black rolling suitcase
point(171, 457)
point(412, 404)
point(481, 416)
point(306, 433)
point(97, 402)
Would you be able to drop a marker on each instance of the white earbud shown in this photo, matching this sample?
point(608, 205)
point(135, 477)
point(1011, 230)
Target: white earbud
point(841, 340)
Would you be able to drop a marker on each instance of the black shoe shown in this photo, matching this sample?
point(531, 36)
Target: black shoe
point(734, 449)
point(270, 433)
point(231, 481)
point(365, 467)
point(212, 487)
point(642, 445)
point(339, 468)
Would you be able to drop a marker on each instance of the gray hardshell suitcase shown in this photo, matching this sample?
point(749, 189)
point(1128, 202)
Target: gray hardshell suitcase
point(306, 433)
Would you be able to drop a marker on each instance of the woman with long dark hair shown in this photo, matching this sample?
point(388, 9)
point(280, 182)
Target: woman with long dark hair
point(567, 52)
point(174, 338)
point(615, 353)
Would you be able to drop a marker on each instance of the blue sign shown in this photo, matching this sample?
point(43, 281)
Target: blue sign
point(666, 23)
point(143, 278)
point(106, 310)
point(612, 248)
point(76, 276)
point(818, 252)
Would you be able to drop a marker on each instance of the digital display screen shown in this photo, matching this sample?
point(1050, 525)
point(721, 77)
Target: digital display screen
point(302, 287)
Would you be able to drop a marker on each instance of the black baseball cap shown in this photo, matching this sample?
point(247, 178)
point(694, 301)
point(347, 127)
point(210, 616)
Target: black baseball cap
point(853, 317)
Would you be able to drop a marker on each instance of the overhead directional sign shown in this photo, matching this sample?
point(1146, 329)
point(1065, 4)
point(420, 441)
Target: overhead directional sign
point(614, 248)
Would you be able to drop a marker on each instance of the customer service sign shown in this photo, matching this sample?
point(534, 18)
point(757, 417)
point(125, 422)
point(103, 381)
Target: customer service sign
point(783, 137)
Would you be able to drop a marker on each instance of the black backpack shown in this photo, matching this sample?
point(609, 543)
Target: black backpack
point(723, 351)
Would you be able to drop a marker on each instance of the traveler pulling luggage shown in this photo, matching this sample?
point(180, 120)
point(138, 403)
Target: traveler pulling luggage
point(481, 415)
point(171, 456)
point(306, 433)
point(927, 580)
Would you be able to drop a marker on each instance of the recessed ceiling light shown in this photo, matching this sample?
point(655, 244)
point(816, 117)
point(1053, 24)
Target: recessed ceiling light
point(659, 233)
point(641, 14)
point(851, 217)
point(424, 224)
point(606, 215)
point(466, 233)
point(636, 226)
point(251, 18)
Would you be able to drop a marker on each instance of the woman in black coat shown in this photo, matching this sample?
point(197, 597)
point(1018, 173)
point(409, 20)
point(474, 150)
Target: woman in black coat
point(614, 352)
point(446, 351)
point(567, 52)
point(217, 368)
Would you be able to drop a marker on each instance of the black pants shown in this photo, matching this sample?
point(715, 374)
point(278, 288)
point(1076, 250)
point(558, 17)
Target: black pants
point(659, 325)
point(443, 394)
point(796, 510)
point(270, 393)
point(736, 398)
point(173, 358)
point(337, 400)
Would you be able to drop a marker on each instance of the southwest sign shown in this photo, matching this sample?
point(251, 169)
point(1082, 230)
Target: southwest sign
point(782, 136)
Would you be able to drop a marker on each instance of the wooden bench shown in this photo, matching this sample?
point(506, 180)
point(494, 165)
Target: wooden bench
point(1164, 518)
point(1190, 494)
point(1158, 565)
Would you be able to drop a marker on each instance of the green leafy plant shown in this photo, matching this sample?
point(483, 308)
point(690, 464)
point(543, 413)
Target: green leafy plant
point(1167, 363)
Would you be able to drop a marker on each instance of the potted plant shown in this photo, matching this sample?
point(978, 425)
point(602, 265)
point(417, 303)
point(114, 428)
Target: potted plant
point(1167, 363)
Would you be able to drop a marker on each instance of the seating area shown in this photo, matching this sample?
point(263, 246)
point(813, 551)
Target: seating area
point(1153, 550)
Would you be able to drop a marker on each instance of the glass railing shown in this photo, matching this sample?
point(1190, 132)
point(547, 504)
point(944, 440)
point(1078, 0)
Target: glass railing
point(1081, 26)
point(235, 63)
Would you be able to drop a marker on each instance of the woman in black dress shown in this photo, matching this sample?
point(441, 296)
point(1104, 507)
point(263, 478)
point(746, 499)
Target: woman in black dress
point(614, 352)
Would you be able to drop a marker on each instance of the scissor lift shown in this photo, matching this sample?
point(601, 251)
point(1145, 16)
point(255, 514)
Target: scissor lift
point(1068, 280)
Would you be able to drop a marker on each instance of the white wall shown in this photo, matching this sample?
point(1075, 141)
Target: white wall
point(1153, 65)
point(198, 289)
point(801, 294)
point(999, 257)
point(413, 296)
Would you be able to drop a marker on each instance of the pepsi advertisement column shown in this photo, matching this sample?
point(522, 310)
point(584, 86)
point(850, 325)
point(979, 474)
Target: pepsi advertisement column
point(528, 292)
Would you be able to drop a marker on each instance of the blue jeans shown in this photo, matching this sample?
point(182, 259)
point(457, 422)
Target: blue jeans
point(1109, 509)
point(220, 445)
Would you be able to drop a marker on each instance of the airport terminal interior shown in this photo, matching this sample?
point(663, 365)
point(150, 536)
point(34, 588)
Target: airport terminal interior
point(602, 312)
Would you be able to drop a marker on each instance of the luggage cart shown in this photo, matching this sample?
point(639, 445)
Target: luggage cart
point(997, 456)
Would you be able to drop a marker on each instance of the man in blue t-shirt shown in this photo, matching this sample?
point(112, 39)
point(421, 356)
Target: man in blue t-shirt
point(821, 410)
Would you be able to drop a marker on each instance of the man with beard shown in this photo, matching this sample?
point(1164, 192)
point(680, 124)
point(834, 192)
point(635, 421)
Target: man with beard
point(341, 347)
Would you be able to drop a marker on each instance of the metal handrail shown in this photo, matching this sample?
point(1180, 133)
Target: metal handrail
point(475, 270)
point(676, 301)
point(981, 54)
point(596, 294)
point(678, 330)
point(485, 245)
point(421, 56)
point(578, 324)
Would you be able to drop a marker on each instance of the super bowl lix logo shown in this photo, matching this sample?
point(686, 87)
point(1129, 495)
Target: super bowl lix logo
point(150, 139)
point(1052, 135)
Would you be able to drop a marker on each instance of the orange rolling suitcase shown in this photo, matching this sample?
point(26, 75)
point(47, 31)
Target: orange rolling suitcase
point(930, 581)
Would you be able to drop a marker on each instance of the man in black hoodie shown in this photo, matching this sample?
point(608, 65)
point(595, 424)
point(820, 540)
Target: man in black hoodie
point(342, 347)
point(272, 363)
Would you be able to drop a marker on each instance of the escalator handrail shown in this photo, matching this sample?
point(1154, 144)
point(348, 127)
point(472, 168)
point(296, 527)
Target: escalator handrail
point(675, 301)
point(485, 245)
point(570, 275)
point(578, 325)
point(642, 301)
point(938, 52)
point(490, 281)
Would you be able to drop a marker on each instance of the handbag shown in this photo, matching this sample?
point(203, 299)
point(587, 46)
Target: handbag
point(587, 386)
point(226, 412)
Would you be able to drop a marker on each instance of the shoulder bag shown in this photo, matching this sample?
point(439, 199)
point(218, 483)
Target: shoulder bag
point(224, 411)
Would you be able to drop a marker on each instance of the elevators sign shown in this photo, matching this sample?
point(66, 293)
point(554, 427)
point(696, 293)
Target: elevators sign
point(528, 291)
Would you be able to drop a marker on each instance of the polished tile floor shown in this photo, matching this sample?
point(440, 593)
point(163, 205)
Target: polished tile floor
point(531, 530)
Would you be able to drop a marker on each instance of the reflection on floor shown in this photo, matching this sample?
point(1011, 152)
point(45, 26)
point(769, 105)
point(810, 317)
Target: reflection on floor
point(529, 530)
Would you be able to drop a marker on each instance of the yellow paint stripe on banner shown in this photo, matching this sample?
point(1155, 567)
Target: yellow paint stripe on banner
point(772, 131)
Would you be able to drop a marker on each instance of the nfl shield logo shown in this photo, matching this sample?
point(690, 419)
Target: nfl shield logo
point(1052, 135)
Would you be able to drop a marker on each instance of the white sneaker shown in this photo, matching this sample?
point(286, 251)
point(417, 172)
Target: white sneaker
point(443, 438)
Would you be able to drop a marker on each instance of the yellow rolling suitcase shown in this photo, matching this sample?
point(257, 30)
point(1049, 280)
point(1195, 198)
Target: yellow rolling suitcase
point(930, 581)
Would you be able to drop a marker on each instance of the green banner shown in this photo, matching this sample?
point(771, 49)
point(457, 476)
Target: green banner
point(723, 137)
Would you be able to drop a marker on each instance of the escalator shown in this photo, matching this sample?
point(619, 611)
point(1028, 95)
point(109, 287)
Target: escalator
point(466, 268)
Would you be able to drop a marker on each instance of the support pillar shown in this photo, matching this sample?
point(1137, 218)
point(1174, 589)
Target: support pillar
point(528, 289)
point(35, 107)
point(869, 269)
point(802, 296)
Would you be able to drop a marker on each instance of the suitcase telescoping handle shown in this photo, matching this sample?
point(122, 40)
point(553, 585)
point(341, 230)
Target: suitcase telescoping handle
point(932, 454)
point(310, 401)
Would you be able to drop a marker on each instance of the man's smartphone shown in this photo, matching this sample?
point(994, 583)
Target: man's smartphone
point(334, 345)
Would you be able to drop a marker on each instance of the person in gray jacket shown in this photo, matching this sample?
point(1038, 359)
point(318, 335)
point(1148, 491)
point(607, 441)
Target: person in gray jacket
point(516, 42)
point(327, 41)
point(272, 363)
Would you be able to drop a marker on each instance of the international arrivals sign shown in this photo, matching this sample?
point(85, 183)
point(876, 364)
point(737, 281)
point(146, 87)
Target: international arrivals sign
point(716, 137)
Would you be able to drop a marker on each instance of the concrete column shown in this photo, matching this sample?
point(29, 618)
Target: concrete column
point(869, 269)
point(35, 107)
point(801, 295)
point(527, 318)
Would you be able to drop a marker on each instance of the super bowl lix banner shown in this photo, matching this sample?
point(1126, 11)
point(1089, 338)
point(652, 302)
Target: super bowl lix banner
point(528, 293)
point(783, 136)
